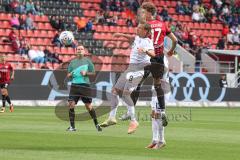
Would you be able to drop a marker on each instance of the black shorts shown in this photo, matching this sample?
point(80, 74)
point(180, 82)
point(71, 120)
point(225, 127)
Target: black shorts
point(82, 91)
point(4, 85)
point(157, 67)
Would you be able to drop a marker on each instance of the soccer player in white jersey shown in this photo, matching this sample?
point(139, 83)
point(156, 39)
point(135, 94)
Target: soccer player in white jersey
point(142, 51)
point(158, 139)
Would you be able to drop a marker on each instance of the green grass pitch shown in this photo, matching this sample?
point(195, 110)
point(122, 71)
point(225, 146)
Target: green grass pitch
point(34, 133)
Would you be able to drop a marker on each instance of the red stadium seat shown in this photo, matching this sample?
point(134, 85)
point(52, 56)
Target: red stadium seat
point(190, 25)
point(4, 16)
point(218, 33)
point(220, 26)
point(211, 33)
point(171, 11)
point(5, 24)
point(84, 5)
point(51, 34)
point(46, 41)
point(205, 33)
point(207, 25)
point(121, 22)
point(162, 3)
point(181, 18)
point(40, 25)
point(36, 18)
point(187, 18)
point(196, 25)
point(70, 50)
point(202, 25)
point(39, 41)
point(96, 6)
point(2, 32)
point(132, 30)
point(64, 50)
point(99, 28)
point(45, 18)
point(109, 44)
point(1, 49)
point(175, 17)
point(124, 15)
point(89, 13)
point(173, 3)
point(43, 34)
point(30, 33)
point(47, 26)
point(96, 35)
point(8, 48)
point(112, 29)
point(125, 30)
point(106, 29)
point(23, 33)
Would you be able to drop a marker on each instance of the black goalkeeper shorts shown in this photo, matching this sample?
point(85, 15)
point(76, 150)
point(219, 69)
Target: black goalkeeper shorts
point(80, 91)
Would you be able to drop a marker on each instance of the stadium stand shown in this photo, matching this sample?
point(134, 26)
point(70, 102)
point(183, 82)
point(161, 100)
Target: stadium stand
point(107, 53)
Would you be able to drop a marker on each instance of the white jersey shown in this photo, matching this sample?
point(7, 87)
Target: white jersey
point(135, 56)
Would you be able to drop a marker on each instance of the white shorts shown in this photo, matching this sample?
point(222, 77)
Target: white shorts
point(129, 80)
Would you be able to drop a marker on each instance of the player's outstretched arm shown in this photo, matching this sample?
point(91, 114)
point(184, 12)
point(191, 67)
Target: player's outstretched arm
point(12, 74)
point(130, 38)
point(174, 43)
point(149, 52)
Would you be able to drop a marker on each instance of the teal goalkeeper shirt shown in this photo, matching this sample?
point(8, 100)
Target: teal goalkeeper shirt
point(78, 65)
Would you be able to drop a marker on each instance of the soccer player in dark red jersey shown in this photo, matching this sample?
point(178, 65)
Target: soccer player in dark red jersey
point(147, 13)
point(6, 75)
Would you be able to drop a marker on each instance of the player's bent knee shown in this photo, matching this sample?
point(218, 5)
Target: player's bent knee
point(157, 81)
point(155, 114)
point(116, 91)
point(88, 106)
point(71, 104)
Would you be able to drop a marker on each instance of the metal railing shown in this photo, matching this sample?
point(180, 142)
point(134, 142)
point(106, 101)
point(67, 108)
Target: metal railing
point(223, 66)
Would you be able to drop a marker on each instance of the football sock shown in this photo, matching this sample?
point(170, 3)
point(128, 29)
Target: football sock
point(8, 99)
point(3, 100)
point(94, 117)
point(155, 130)
point(114, 105)
point(161, 131)
point(131, 111)
point(160, 96)
point(72, 117)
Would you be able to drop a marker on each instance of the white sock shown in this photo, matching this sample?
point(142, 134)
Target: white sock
point(114, 106)
point(155, 131)
point(128, 110)
point(113, 112)
point(163, 112)
point(131, 111)
point(161, 131)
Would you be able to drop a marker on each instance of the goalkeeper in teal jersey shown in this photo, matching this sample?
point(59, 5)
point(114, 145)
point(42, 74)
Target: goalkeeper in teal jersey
point(79, 71)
